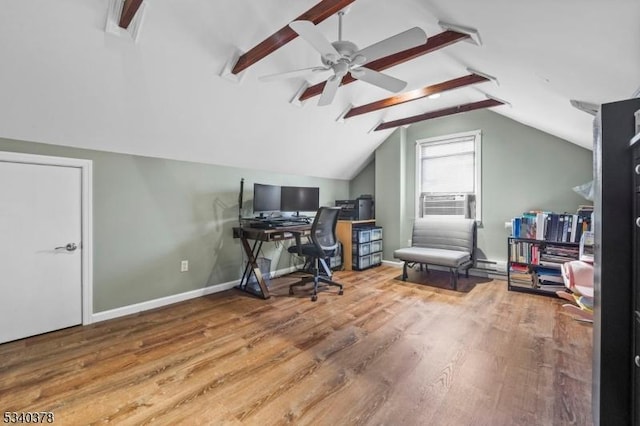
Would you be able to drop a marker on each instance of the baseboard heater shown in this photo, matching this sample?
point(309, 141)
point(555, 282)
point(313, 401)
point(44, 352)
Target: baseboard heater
point(497, 267)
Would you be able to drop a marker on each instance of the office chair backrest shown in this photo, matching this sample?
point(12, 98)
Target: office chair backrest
point(323, 230)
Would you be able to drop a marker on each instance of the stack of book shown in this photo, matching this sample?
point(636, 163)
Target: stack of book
point(555, 227)
point(553, 256)
point(520, 273)
point(548, 279)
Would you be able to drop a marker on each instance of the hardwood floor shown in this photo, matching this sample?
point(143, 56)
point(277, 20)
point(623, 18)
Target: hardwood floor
point(386, 352)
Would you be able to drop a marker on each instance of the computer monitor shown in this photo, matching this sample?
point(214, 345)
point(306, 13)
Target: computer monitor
point(266, 198)
point(299, 199)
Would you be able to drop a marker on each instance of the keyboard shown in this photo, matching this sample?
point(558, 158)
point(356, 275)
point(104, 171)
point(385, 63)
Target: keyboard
point(268, 224)
point(285, 224)
point(262, 225)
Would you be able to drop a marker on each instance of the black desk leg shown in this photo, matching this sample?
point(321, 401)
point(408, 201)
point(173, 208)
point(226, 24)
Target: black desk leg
point(243, 283)
point(251, 256)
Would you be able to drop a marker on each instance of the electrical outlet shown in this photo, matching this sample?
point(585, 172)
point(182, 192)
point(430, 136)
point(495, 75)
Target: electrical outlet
point(409, 242)
point(184, 266)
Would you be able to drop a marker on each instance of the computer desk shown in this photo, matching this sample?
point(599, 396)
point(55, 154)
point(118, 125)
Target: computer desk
point(260, 236)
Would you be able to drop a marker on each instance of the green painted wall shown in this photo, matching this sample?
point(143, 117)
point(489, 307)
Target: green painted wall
point(364, 182)
point(522, 169)
point(149, 214)
point(391, 190)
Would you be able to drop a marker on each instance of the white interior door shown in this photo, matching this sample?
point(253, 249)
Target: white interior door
point(40, 270)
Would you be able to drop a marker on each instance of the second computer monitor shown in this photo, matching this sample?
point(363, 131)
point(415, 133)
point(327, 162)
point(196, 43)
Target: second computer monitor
point(299, 199)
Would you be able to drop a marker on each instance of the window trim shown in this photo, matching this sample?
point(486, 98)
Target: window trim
point(477, 135)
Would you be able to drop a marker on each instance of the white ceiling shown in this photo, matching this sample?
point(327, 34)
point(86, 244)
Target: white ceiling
point(63, 80)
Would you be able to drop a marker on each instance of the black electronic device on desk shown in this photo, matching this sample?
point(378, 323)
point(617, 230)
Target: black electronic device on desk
point(362, 208)
point(261, 224)
point(274, 224)
point(266, 199)
point(299, 199)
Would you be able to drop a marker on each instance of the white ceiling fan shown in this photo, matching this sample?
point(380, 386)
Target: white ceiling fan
point(344, 57)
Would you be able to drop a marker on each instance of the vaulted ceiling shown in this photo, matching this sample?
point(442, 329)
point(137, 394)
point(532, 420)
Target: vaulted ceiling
point(170, 93)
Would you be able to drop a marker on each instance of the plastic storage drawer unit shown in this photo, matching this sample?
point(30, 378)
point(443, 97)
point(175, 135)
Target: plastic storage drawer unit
point(361, 235)
point(361, 262)
point(362, 249)
point(376, 233)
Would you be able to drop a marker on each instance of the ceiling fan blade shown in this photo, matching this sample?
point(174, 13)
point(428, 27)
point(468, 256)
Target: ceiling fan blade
point(292, 74)
point(376, 78)
point(397, 43)
point(330, 89)
point(315, 38)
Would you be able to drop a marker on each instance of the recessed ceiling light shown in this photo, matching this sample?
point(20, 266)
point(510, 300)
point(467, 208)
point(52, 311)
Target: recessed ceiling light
point(434, 96)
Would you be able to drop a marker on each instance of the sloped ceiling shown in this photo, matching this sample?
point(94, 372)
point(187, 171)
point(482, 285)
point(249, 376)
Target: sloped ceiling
point(64, 80)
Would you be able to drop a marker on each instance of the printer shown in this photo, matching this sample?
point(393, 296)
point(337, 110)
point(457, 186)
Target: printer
point(362, 208)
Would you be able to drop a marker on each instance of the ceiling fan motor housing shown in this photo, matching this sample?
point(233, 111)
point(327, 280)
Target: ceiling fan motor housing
point(345, 48)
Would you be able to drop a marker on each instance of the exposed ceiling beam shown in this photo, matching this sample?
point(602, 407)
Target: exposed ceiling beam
point(487, 103)
point(129, 9)
point(416, 94)
point(587, 107)
point(316, 14)
point(436, 42)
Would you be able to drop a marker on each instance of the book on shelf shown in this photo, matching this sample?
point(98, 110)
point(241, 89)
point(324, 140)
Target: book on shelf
point(550, 264)
point(547, 282)
point(554, 227)
point(551, 287)
point(518, 268)
point(586, 247)
point(551, 279)
point(521, 277)
point(548, 271)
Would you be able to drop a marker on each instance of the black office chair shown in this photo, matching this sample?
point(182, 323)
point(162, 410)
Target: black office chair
point(324, 244)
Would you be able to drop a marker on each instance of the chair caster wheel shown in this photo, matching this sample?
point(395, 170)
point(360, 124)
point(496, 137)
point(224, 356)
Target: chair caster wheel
point(314, 298)
point(290, 292)
point(341, 292)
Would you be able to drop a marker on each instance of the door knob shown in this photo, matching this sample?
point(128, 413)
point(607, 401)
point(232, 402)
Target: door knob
point(68, 247)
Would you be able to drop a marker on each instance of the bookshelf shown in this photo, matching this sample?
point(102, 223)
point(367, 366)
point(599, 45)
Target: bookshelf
point(533, 266)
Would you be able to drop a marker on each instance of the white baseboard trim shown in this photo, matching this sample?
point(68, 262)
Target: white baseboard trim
point(175, 298)
point(284, 271)
point(392, 263)
point(163, 301)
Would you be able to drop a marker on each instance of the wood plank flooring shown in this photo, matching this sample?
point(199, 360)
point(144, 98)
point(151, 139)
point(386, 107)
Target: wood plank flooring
point(386, 352)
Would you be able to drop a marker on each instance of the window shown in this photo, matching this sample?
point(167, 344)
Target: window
point(448, 176)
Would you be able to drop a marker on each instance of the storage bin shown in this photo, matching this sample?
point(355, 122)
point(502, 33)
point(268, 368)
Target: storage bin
point(376, 233)
point(376, 246)
point(376, 259)
point(264, 264)
point(361, 249)
point(361, 262)
point(335, 261)
point(361, 235)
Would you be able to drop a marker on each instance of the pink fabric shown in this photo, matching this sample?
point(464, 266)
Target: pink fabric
point(578, 277)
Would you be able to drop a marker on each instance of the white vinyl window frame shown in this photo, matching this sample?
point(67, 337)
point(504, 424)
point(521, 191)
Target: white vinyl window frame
point(477, 137)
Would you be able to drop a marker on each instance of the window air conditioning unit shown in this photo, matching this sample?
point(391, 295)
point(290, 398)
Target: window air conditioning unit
point(451, 205)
